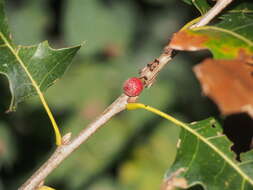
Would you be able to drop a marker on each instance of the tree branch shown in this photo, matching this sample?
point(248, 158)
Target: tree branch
point(148, 74)
point(68, 146)
point(213, 12)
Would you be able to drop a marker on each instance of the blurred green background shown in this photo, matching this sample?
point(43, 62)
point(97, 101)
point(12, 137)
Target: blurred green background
point(134, 150)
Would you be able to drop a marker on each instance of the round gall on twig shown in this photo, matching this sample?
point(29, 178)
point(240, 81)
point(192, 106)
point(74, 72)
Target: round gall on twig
point(133, 87)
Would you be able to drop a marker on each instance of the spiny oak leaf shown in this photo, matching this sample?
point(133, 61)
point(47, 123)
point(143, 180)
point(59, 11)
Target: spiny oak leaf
point(30, 69)
point(204, 157)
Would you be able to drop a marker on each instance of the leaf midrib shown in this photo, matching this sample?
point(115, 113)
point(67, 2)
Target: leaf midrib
point(21, 63)
point(235, 166)
point(35, 85)
point(189, 129)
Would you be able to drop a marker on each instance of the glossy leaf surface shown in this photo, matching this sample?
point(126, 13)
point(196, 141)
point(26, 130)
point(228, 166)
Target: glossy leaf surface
point(206, 158)
point(30, 69)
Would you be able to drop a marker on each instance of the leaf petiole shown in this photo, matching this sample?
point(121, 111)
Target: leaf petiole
point(46, 188)
point(41, 96)
point(133, 106)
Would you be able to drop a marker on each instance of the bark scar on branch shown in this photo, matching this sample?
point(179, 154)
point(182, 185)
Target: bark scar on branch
point(148, 74)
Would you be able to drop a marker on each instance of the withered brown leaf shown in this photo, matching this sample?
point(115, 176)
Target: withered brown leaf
point(229, 83)
point(228, 78)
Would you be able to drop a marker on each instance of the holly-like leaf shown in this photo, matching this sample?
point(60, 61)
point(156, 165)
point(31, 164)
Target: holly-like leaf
point(32, 69)
point(228, 78)
point(204, 157)
point(201, 5)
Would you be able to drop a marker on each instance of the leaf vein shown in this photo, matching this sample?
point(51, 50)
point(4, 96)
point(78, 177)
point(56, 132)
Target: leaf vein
point(246, 162)
point(195, 153)
point(220, 172)
point(50, 71)
point(215, 137)
point(240, 27)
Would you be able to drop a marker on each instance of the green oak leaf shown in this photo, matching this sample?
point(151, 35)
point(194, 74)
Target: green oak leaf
point(201, 5)
point(204, 157)
point(30, 69)
point(230, 38)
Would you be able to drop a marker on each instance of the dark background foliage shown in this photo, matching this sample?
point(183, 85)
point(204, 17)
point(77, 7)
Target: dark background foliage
point(134, 150)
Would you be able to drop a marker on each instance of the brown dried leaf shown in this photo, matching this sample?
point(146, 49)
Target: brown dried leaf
point(229, 83)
